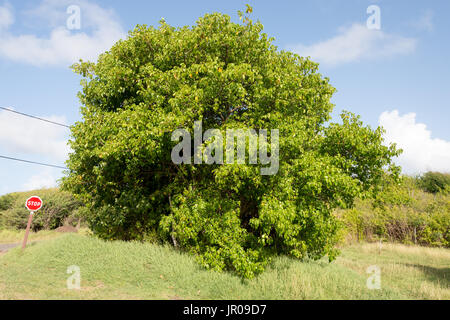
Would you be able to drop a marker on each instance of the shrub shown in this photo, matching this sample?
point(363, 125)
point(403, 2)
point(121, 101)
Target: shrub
point(434, 182)
point(6, 202)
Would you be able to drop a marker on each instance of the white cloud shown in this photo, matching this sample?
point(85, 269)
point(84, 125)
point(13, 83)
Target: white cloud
point(357, 43)
point(6, 17)
point(99, 31)
point(421, 152)
point(34, 137)
point(44, 179)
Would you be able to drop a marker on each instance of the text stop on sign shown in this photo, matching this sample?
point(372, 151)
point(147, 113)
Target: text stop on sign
point(33, 203)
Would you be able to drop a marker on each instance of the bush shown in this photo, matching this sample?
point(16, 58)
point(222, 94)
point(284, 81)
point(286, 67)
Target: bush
point(59, 207)
point(228, 76)
point(434, 182)
point(401, 213)
point(6, 202)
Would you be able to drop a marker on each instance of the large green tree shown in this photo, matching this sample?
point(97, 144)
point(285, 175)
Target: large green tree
point(228, 75)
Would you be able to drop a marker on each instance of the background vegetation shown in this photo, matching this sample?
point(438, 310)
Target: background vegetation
point(405, 212)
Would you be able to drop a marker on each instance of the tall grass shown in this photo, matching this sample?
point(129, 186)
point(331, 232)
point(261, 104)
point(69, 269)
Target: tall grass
point(130, 270)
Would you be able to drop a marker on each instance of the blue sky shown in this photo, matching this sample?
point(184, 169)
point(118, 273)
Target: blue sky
point(396, 76)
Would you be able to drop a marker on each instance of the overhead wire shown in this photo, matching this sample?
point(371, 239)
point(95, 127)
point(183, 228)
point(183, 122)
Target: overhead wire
point(34, 117)
point(33, 162)
point(37, 118)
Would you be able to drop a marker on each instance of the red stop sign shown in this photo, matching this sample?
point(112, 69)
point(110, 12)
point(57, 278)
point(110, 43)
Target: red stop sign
point(33, 203)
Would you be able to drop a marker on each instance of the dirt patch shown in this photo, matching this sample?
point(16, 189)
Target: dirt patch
point(66, 229)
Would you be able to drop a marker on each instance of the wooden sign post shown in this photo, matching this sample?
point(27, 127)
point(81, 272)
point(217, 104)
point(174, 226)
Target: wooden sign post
point(33, 204)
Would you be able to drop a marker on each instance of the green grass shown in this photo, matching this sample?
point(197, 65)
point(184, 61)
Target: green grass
point(127, 270)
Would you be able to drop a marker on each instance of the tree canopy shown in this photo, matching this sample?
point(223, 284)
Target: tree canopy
point(227, 75)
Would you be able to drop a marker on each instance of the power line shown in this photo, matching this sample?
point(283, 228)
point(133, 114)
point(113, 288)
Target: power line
point(33, 162)
point(34, 117)
point(37, 118)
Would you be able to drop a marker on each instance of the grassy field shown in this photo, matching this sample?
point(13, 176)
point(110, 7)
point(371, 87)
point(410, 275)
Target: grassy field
point(126, 270)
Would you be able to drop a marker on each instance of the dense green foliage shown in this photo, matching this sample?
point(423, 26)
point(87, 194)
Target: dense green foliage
point(434, 182)
point(59, 207)
point(229, 76)
point(6, 202)
point(402, 212)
